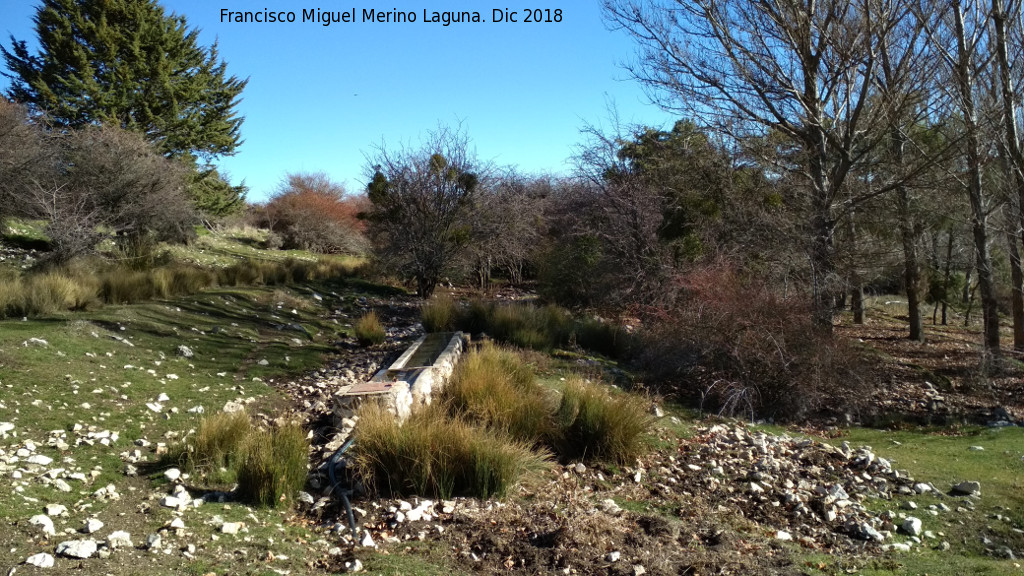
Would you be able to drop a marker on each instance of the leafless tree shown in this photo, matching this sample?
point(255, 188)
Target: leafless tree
point(420, 199)
point(800, 71)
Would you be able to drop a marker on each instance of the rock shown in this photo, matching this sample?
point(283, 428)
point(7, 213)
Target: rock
point(354, 566)
point(55, 509)
point(580, 468)
point(77, 548)
point(41, 560)
point(656, 410)
point(120, 539)
point(5, 428)
point(177, 524)
point(613, 556)
point(153, 541)
point(163, 397)
point(367, 540)
point(130, 470)
point(231, 527)
point(171, 502)
point(865, 531)
point(783, 535)
point(185, 351)
point(92, 525)
point(172, 474)
point(897, 547)
point(44, 523)
point(610, 507)
point(40, 460)
point(976, 448)
point(911, 526)
point(922, 488)
point(968, 488)
point(909, 505)
point(639, 570)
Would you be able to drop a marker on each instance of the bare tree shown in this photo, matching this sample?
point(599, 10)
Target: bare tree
point(803, 71)
point(418, 218)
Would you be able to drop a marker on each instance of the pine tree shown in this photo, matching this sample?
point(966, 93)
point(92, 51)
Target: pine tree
point(130, 63)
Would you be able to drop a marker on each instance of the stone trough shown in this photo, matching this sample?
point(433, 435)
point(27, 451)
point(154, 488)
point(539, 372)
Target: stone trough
point(423, 369)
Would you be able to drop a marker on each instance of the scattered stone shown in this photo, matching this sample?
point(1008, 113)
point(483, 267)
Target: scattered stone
point(977, 448)
point(968, 488)
point(55, 509)
point(77, 548)
point(231, 527)
point(120, 539)
point(185, 351)
point(92, 525)
point(40, 460)
point(153, 541)
point(41, 560)
point(580, 468)
point(909, 505)
point(613, 556)
point(44, 523)
point(911, 526)
point(171, 502)
point(897, 547)
point(783, 535)
point(354, 566)
point(172, 474)
point(367, 540)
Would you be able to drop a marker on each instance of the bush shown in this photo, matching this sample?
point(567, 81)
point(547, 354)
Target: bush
point(496, 389)
point(593, 425)
point(216, 448)
point(439, 314)
point(432, 454)
point(310, 212)
point(369, 330)
point(736, 346)
point(274, 465)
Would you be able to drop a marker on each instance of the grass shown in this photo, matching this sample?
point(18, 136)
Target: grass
point(369, 331)
point(594, 425)
point(274, 465)
point(433, 454)
point(495, 388)
point(216, 448)
point(439, 314)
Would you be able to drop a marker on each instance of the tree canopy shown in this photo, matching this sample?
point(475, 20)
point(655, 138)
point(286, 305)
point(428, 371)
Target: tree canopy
point(127, 62)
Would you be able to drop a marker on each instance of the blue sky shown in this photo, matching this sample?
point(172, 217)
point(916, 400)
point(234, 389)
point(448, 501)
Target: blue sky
point(322, 98)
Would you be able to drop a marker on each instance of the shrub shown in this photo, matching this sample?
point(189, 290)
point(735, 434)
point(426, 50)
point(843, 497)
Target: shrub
point(126, 287)
point(274, 465)
point(495, 388)
point(432, 454)
point(216, 448)
point(310, 212)
point(738, 347)
point(439, 314)
point(594, 425)
point(369, 330)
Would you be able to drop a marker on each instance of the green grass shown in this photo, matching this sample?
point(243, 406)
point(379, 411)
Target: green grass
point(439, 313)
point(273, 465)
point(595, 425)
point(215, 451)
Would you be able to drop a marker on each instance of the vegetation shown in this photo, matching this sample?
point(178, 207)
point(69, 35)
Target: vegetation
point(273, 465)
point(438, 313)
point(217, 449)
point(309, 212)
point(129, 65)
point(431, 454)
point(369, 331)
point(596, 426)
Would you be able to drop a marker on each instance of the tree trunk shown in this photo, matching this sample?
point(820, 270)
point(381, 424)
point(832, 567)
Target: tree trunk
point(908, 235)
point(965, 81)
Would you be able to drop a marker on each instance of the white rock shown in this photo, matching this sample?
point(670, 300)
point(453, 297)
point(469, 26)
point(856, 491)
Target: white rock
point(92, 525)
point(6, 427)
point(367, 540)
point(163, 397)
point(613, 556)
point(120, 539)
point(40, 460)
point(911, 526)
point(783, 535)
point(77, 548)
point(44, 522)
point(153, 541)
point(55, 509)
point(170, 502)
point(177, 524)
point(172, 474)
point(41, 560)
point(230, 527)
point(969, 488)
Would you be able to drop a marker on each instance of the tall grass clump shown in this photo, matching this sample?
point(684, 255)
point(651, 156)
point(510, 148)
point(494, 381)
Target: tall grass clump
point(594, 425)
point(432, 454)
point(495, 388)
point(439, 314)
point(274, 465)
point(216, 449)
point(51, 292)
point(369, 330)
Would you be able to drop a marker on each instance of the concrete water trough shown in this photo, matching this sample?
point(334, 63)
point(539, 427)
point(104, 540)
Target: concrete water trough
point(423, 369)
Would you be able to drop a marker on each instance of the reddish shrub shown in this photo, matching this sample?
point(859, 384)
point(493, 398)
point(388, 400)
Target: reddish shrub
point(736, 346)
point(310, 212)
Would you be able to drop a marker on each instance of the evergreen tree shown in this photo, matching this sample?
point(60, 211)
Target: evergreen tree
point(128, 62)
